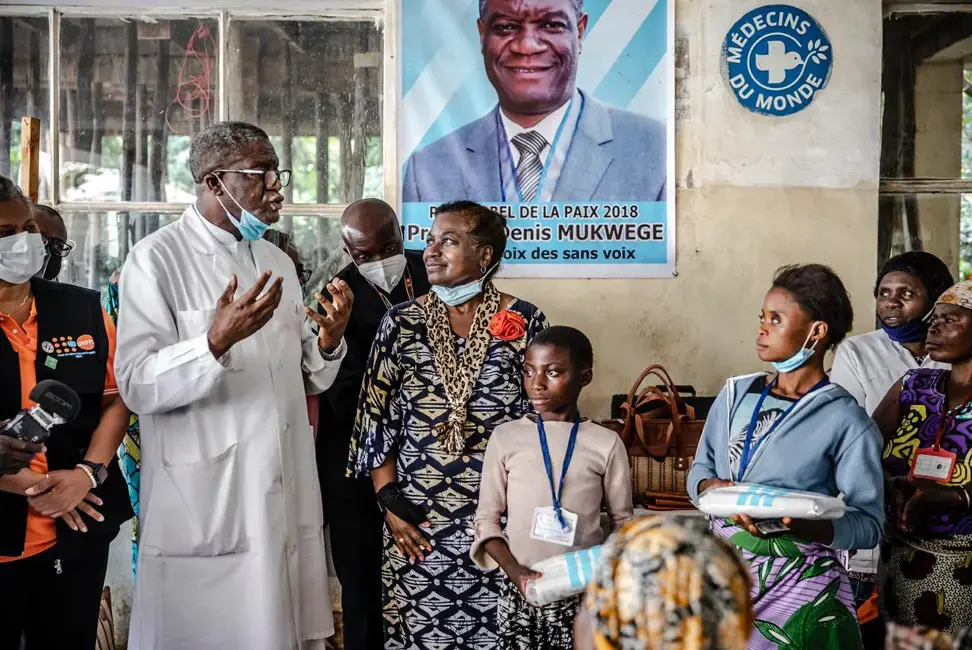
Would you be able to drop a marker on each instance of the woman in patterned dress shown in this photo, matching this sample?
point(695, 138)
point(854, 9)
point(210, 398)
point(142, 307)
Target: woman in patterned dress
point(665, 581)
point(925, 575)
point(797, 431)
point(445, 370)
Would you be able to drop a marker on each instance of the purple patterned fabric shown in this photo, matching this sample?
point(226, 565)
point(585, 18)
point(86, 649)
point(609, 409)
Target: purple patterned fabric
point(923, 405)
point(801, 595)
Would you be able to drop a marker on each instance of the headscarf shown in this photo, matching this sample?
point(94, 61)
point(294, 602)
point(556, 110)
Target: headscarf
point(664, 582)
point(930, 270)
point(960, 295)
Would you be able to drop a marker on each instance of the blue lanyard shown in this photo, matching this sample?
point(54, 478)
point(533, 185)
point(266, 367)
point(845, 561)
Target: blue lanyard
point(571, 116)
point(749, 450)
point(557, 494)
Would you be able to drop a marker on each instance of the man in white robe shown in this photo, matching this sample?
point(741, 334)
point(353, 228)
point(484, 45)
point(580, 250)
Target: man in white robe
point(215, 353)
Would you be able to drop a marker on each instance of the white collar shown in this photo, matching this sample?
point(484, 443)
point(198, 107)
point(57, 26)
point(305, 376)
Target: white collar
point(225, 239)
point(547, 127)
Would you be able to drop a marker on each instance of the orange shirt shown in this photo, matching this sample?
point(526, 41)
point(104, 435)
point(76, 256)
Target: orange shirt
point(41, 532)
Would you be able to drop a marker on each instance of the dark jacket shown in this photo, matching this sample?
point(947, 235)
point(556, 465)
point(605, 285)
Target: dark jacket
point(64, 312)
point(339, 403)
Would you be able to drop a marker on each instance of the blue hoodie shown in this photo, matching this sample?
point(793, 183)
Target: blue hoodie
point(827, 444)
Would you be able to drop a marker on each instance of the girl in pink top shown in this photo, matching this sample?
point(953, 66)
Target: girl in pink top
point(545, 478)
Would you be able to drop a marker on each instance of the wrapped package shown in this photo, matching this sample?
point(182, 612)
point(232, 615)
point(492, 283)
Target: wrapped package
point(563, 576)
point(764, 502)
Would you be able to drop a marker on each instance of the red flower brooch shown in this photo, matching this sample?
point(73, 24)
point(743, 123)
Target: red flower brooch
point(507, 325)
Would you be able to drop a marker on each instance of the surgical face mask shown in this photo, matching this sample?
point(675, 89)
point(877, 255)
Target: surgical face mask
point(455, 296)
point(21, 257)
point(251, 228)
point(912, 332)
point(384, 274)
point(799, 359)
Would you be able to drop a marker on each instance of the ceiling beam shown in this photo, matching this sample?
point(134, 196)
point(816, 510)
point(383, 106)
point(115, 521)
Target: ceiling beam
point(946, 33)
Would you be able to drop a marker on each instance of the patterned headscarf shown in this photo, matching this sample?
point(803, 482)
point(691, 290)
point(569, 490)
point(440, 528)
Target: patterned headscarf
point(665, 582)
point(960, 294)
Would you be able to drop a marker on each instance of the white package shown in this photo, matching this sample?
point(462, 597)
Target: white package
point(563, 576)
point(764, 502)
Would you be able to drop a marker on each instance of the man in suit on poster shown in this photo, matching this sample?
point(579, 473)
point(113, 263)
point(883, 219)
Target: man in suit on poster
point(546, 140)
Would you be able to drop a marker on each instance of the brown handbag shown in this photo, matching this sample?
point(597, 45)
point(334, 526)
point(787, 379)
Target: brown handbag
point(661, 434)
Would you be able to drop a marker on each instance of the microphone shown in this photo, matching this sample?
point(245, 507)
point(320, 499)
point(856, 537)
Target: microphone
point(57, 403)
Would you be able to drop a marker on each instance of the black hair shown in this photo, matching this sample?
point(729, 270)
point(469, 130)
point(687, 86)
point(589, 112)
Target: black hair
point(49, 211)
point(213, 147)
point(571, 340)
point(488, 229)
point(928, 269)
point(578, 6)
point(10, 192)
point(821, 294)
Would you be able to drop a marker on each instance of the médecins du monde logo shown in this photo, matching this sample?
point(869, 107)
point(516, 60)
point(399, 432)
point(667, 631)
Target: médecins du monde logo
point(776, 59)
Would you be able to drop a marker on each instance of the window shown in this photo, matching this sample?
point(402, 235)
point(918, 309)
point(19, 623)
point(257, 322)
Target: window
point(24, 87)
point(128, 92)
point(926, 156)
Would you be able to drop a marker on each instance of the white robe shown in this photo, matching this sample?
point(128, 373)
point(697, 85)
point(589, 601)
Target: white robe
point(231, 544)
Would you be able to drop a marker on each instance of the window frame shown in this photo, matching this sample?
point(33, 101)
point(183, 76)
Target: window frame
point(383, 12)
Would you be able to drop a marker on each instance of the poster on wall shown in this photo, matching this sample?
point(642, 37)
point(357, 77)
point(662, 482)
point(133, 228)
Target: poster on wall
point(557, 113)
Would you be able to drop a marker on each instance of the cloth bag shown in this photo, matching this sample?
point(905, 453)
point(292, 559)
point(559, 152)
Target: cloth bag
point(563, 576)
point(661, 433)
point(764, 502)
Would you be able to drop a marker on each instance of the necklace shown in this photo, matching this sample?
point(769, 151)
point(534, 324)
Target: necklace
point(18, 307)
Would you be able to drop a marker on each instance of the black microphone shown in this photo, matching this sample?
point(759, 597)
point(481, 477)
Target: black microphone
point(57, 403)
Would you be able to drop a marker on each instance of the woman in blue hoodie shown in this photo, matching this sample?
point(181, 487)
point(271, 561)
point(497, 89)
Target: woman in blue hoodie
point(793, 429)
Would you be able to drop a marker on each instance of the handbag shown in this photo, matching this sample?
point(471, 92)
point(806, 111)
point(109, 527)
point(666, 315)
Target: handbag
point(661, 433)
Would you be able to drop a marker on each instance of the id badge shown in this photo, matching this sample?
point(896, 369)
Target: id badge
point(933, 465)
point(546, 528)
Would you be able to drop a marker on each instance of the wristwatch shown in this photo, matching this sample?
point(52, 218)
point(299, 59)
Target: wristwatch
point(99, 471)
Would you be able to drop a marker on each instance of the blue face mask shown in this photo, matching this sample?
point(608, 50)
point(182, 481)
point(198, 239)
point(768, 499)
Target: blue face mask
point(912, 332)
point(455, 296)
point(251, 228)
point(799, 359)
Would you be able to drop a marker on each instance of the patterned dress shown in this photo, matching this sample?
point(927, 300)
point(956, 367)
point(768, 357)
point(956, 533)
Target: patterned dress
point(802, 598)
point(130, 451)
point(925, 578)
point(444, 601)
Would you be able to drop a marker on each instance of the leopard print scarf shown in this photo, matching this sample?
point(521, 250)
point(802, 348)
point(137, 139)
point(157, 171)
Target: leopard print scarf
point(459, 373)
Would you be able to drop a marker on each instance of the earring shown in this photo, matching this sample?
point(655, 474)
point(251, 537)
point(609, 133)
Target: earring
point(483, 269)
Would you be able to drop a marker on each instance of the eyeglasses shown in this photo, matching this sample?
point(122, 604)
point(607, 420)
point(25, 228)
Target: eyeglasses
point(270, 176)
point(60, 247)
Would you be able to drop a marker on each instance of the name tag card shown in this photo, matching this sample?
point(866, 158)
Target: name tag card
point(936, 465)
point(546, 528)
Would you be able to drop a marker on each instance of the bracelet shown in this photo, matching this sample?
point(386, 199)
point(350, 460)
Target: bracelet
point(90, 474)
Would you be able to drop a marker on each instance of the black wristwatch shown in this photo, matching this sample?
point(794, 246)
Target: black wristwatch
point(100, 471)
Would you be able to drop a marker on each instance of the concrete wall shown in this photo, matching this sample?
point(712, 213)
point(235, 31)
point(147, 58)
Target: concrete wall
point(938, 154)
point(754, 193)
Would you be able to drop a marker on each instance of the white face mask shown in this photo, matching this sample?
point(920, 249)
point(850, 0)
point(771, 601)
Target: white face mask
point(21, 257)
point(384, 274)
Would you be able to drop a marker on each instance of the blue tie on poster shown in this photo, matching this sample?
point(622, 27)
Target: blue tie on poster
point(557, 113)
point(776, 59)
